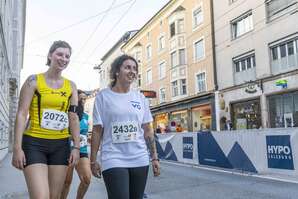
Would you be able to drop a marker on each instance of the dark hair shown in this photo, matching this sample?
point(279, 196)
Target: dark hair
point(80, 106)
point(55, 45)
point(115, 67)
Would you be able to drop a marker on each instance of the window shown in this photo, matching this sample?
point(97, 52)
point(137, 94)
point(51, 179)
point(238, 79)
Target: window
point(183, 86)
point(244, 63)
point(139, 80)
point(242, 25)
point(199, 50)
point(162, 95)
point(279, 7)
point(138, 56)
point(174, 59)
point(197, 17)
point(284, 56)
point(201, 82)
point(175, 88)
point(161, 43)
point(162, 70)
point(149, 51)
point(149, 76)
point(179, 87)
point(172, 29)
point(182, 57)
point(180, 26)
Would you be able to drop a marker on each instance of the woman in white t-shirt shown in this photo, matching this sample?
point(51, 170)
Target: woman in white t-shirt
point(121, 124)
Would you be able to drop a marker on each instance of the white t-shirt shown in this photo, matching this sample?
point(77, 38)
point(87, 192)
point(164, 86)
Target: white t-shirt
point(122, 115)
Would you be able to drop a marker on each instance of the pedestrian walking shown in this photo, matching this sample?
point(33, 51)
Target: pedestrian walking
point(83, 166)
point(42, 150)
point(121, 127)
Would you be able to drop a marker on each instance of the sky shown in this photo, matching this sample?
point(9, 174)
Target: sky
point(91, 27)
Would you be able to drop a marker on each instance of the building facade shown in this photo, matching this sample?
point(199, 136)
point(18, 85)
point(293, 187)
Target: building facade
point(174, 50)
point(108, 58)
point(12, 33)
point(257, 62)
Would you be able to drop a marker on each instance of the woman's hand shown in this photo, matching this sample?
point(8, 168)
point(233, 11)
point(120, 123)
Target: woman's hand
point(96, 170)
point(74, 157)
point(155, 167)
point(18, 159)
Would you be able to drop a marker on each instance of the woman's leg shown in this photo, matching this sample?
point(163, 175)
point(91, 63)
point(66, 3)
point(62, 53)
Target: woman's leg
point(57, 174)
point(137, 182)
point(117, 183)
point(67, 182)
point(36, 176)
point(84, 172)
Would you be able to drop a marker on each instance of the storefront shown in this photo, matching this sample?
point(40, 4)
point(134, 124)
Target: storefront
point(246, 115)
point(283, 110)
point(201, 117)
point(161, 121)
point(188, 115)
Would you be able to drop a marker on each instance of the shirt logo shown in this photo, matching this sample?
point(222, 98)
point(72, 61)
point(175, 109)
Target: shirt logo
point(136, 104)
point(61, 93)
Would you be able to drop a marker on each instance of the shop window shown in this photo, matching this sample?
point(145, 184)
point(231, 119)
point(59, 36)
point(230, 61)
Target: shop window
point(161, 123)
point(284, 56)
point(242, 25)
point(246, 115)
point(179, 119)
point(283, 110)
point(201, 118)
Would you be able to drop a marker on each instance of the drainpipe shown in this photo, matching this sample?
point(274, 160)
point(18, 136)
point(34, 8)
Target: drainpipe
point(216, 93)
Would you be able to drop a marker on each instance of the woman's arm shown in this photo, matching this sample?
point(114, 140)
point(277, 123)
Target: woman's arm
point(151, 145)
point(74, 126)
point(26, 95)
point(96, 137)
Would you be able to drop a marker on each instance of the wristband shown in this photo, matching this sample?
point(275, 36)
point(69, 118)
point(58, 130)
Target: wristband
point(155, 159)
point(76, 147)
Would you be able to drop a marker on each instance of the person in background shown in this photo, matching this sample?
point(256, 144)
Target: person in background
point(121, 124)
point(83, 167)
point(179, 128)
point(42, 151)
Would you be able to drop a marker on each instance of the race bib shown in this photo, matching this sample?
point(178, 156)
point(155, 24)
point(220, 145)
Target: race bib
point(123, 132)
point(54, 120)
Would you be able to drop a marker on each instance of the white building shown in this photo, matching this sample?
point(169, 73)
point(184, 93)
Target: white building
point(108, 58)
point(12, 33)
point(257, 62)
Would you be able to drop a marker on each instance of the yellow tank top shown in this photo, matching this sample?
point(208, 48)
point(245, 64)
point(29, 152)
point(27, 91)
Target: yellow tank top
point(51, 99)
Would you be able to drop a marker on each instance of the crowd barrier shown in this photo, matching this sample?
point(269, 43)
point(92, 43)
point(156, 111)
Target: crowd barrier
point(262, 151)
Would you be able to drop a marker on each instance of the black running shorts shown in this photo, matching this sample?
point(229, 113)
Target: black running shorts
point(46, 151)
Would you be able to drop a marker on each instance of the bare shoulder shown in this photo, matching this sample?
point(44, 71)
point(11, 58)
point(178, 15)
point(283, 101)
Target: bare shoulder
point(73, 85)
point(31, 81)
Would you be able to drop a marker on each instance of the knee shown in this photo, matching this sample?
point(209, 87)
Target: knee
point(86, 179)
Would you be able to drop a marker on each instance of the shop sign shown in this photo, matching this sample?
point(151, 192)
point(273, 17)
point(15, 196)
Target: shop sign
point(188, 147)
point(282, 82)
point(149, 94)
point(279, 152)
point(251, 87)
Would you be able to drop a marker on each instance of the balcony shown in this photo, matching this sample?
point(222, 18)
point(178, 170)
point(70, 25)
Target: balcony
point(284, 64)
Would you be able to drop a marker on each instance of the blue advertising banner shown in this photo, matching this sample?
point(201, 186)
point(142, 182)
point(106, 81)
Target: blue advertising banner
point(187, 147)
point(279, 152)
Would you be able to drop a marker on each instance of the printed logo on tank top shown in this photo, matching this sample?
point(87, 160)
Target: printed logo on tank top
point(136, 105)
point(61, 93)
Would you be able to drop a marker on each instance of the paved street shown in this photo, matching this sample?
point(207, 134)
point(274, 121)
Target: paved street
point(175, 182)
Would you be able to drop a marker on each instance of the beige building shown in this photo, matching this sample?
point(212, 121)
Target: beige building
point(257, 62)
point(12, 33)
point(175, 54)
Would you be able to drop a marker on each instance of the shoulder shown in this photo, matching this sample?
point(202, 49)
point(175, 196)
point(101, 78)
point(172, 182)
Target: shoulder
point(31, 81)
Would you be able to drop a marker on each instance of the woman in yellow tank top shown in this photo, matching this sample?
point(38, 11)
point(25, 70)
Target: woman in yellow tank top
point(42, 150)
